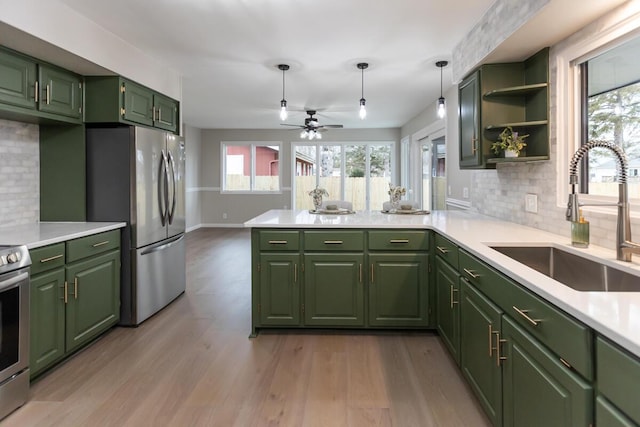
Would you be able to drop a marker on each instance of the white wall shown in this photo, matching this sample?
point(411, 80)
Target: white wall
point(242, 207)
point(193, 202)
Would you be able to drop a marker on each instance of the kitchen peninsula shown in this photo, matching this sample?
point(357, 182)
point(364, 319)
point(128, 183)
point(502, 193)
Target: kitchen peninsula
point(502, 321)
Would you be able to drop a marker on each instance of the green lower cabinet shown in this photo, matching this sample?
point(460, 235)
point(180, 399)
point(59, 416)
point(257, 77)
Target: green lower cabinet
point(93, 297)
point(480, 325)
point(333, 292)
point(448, 307)
point(47, 320)
point(279, 289)
point(538, 390)
point(398, 289)
point(610, 416)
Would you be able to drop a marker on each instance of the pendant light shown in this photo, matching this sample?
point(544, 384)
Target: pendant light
point(283, 103)
point(363, 111)
point(441, 109)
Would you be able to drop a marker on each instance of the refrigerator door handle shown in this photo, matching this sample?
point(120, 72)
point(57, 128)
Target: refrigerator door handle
point(172, 164)
point(163, 246)
point(162, 188)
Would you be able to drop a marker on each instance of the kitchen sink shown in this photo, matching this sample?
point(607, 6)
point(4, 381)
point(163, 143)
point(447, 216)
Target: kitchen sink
point(574, 271)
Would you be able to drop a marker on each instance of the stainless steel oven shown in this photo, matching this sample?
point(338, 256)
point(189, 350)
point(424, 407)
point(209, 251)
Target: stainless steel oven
point(14, 328)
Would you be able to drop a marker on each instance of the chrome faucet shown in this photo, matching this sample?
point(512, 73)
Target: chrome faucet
point(624, 246)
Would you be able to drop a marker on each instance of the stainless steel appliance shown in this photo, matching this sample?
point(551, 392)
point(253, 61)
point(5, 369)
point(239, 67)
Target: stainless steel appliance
point(136, 175)
point(14, 328)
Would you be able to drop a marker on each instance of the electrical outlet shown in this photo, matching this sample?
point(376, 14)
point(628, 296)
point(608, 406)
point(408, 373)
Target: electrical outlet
point(531, 203)
point(224, 215)
point(465, 192)
point(449, 190)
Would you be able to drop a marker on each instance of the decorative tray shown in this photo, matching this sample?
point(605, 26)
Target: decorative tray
point(407, 212)
point(331, 211)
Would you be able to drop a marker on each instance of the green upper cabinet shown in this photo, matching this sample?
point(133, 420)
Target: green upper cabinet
point(60, 92)
point(17, 80)
point(113, 99)
point(508, 94)
point(470, 131)
point(37, 92)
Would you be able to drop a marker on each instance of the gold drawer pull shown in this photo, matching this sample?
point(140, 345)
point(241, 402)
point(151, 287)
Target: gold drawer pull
point(499, 341)
point(278, 242)
point(471, 273)
point(95, 245)
point(399, 241)
point(51, 258)
point(442, 250)
point(333, 242)
point(523, 313)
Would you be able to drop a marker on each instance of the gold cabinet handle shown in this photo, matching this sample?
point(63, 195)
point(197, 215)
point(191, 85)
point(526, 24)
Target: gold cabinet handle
point(399, 241)
point(523, 313)
point(371, 273)
point(159, 114)
point(48, 94)
point(295, 273)
point(75, 287)
point(51, 258)
point(474, 149)
point(499, 341)
point(360, 272)
point(66, 288)
point(153, 113)
point(442, 250)
point(333, 242)
point(451, 295)
point(95, 245)
point(36, 91)
point(278, 242)
point(471, 273)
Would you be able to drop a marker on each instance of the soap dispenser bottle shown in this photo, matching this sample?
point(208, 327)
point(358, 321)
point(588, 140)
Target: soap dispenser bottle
point(580, 232)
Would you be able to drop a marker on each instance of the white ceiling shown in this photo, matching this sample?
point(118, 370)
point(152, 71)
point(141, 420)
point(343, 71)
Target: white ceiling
point(228, 50)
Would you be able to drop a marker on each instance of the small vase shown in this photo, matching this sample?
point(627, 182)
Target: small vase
point(317, 202)
point(395, 202)
point(509, 153)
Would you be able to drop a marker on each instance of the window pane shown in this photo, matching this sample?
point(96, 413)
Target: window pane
point(355, 185)
point(305, 170)
point(330, 170)
point(237, 167)
point(267, 168)
point(380, 173)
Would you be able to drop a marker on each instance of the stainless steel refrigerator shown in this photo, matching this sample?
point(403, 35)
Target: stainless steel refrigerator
point(136, 175)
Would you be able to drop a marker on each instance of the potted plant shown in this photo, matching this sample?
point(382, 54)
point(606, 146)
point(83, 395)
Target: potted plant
point(316, 194)
point(509, 142)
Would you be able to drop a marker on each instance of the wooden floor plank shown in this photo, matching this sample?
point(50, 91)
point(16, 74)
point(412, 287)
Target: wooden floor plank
point(192, 364)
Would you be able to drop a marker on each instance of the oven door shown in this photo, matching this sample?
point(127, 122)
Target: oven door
point(14, 323)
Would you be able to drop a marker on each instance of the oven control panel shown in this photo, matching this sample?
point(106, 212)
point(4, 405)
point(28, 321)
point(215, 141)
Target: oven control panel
point(13, 258)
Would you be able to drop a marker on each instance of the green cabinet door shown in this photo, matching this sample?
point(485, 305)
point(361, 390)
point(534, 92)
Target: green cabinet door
point(166, 111)
point(610, 416)
point(279, 289)
point(47, 312)
point(538, 390)
point(138, 103)
point(480, 322)
point(333, 292)
point(17, 80)
point(93, 297)
point(60, 92)
point(398, 289)
point(447, 307)
point(470, 131)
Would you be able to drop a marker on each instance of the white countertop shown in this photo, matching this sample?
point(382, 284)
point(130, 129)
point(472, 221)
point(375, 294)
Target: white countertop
point(613, 314)
point(47, 233)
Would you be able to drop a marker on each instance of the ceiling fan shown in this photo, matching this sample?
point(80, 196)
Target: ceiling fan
point(312, 128)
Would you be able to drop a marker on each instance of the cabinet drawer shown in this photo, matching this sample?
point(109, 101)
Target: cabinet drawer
point(618, 375)
point(47, 258)
point(333, 240)
point(398, 240)
point(91, 245)
point(280, 240)
point(568, 338)
point(491, 283)
point(447, 250)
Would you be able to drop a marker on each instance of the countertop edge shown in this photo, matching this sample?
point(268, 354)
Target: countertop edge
point(49, 233)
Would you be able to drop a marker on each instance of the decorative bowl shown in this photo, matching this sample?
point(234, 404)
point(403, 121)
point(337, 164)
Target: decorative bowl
point(331, 207)
point(406, 207)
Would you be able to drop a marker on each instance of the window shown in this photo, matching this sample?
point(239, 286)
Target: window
point(251, 167)
point(356, 172)
point(611, 112)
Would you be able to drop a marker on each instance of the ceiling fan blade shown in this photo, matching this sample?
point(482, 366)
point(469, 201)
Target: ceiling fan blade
point(333, 126)
point(287, 124)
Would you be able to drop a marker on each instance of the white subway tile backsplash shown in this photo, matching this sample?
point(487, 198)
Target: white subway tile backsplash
point(19, 173)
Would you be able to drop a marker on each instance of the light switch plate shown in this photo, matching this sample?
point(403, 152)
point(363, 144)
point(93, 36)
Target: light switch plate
point(531, 203)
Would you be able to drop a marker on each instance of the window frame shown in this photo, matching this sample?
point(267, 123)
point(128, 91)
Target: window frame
point(252, 153)
point(569, 112)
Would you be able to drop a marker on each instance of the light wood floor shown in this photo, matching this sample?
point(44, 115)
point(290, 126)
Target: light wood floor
point(193, 365)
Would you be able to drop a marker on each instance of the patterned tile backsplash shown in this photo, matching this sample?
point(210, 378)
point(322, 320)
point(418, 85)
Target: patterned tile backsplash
point(19, 173)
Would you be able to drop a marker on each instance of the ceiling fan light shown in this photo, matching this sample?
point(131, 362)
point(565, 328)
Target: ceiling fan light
point(363, 109)
point(318, 135)
point(441, 107)
point(303, 134)
point(283, 110)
